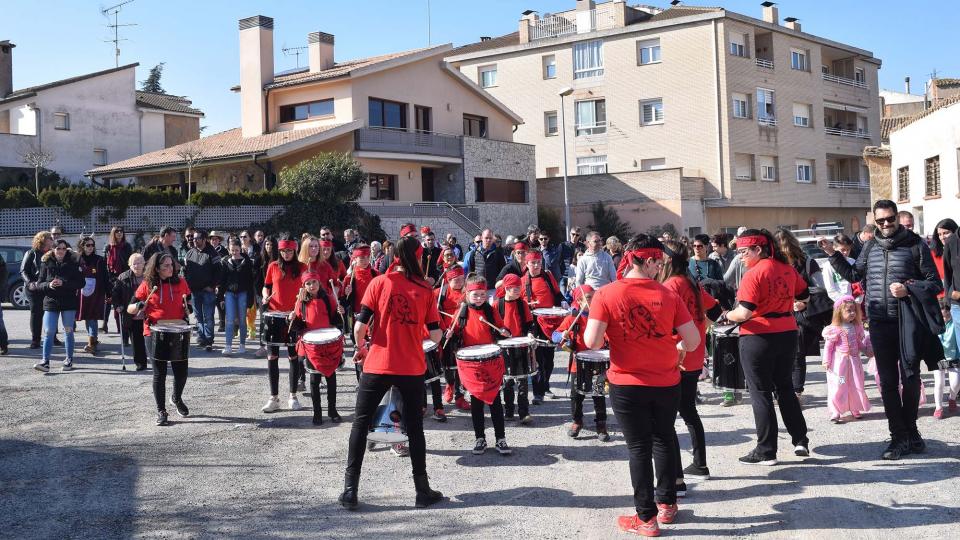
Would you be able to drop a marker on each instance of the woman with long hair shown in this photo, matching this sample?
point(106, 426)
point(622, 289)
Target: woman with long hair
point(944, 229)
point(93, 295)
point(236, 285)
point(116, 252)
point(30, 272)
point(768, 341)
point(676, 277)
point(280, 287)
point(311, 256)
point(59, 282)
point(268, 254)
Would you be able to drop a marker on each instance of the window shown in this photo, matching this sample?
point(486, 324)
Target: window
point(743, 166)
point(553, 172)
point(741, 105)
point(383, 187)
point(588, 59)
point(651, 111)
point(592, 165)
point(805, 171)
point(303, 111)
point(648, 52)
point(931, 169)
point(99, 156)
point(550, 127)
point(738, 45)
point(550, 66)
point(859, 75)
point(768, 168)
point(422, 119)
point(591, 117)
point(475, 126)
point(766, 111)
point(387, 114)
point(798, 60)
point(61, 120)
point(488, 76)
point(653, 164)
point(801, 114)
point(903, 184)
point(492, 190)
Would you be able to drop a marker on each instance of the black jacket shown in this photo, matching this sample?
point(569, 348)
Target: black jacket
point(921, 324)
point(486, 264)
point(4, 273)
point(236, 275)
point(30, 267)
point(64, 297)
point(429, 262)
point(951, 267)
point(126, 250)
point(898, 259)
point(153, 248)
point(124, 287)
point(513, 267)
point(201, 268)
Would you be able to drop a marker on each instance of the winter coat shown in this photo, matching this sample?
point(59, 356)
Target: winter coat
point(236, 275)
point(90, 308)
point(30, 266)
point(124, 288)
point(201, 268)
point(64, 297)
point(921, 324)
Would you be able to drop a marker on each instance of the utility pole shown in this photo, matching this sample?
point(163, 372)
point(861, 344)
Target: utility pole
point(115, 11)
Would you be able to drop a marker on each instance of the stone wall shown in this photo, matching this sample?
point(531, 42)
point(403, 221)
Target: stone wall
point(881, 181)
point(180, 129)
point(485, 158)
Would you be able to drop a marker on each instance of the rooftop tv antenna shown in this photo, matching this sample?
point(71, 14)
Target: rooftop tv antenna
point(429, 37)
point(115, 11)
point(294, 51)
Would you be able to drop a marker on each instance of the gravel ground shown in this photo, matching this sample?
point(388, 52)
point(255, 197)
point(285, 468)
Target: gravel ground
point(80, 457)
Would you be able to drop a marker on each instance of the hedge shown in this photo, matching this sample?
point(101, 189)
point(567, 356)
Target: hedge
point(206, 199)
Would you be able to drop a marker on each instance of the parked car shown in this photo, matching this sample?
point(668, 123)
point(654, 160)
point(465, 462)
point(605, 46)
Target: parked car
point(16, 293)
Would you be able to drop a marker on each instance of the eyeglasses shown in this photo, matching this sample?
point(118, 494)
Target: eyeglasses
point(743, 251)
point(888, 219)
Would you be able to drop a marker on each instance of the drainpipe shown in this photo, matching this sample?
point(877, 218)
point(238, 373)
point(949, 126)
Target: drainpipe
point(266, 170)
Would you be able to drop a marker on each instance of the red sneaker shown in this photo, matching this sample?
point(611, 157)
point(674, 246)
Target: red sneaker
point(633, 524)
point(462, 404)
point(448, 394)
point(938, 413)
point(666, 513)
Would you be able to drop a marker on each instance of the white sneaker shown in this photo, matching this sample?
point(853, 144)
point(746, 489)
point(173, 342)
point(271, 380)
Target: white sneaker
point(242, 349)
point(294, 404)
point(273, 405)
point(228, 350)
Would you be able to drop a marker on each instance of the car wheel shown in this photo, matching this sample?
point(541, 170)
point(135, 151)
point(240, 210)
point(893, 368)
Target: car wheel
point(18, 296)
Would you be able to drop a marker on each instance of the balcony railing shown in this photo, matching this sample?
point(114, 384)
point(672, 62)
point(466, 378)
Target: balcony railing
point(408, 142)
point(767, 121)
point(764, 63)
point(859, 185)
point(571, 22)
point(844, 81)
point(598, 128)
point(847, 133)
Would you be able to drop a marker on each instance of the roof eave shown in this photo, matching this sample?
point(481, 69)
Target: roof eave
point(306, 142)
point(170, 167)
point(198, 114)
point(486, 96)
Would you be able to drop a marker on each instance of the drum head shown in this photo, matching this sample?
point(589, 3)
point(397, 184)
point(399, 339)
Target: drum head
point(550, 312)
point(171, 328)
point(516, 342)
point(602, 355)
point(277, 314)
point(478, 352)
point(429, 345)
point(321, 336)
point(722, 330)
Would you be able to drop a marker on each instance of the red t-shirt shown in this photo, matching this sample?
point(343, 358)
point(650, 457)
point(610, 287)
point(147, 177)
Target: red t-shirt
point(515, 312)
point(770, 287)
point(542, 293)
point(284, 288)
point(315, 314)
point(450, 305)
point(326, 274)
point(578, 333)
point(165, 304)
point(681, 285)
point(401, 309)
point(474, 331)
point(641, 315)
point(359, 281)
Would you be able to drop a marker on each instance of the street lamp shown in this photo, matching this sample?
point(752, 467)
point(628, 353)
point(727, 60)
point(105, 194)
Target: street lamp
point(563, 132)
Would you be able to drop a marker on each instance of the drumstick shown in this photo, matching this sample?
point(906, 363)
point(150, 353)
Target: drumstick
point(484, 321)
point(334, 289)
point(153, 290)
point(447, 314)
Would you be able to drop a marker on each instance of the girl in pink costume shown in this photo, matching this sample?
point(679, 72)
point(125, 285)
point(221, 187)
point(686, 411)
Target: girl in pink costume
point(845, 339)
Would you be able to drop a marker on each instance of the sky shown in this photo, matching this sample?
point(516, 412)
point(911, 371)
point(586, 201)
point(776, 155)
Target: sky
point(198, 39)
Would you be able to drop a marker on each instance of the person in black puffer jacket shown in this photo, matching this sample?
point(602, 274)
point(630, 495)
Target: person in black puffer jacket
point(60, 280)
point(131, 326)
point(236, 287)
point(887, 262)
point(30, 273)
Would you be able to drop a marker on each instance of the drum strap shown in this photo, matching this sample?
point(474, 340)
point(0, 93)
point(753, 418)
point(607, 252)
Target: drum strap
point(545, 275)
point(487, 313)
point(502, 309)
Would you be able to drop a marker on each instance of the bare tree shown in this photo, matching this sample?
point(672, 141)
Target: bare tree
point(37, 158)
point(193, 156)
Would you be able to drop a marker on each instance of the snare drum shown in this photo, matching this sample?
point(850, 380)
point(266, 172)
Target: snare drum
point(727, 370)
point(276, 328)
point(431, 355)
point(518, 357)
point(548, 319)
point(592, 372)
point(323, 350)
point(169, 342)
point(481, 371)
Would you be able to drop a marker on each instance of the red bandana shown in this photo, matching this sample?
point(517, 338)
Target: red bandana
point(638, 255)
point(408, 229)
point(533, 255)
point(326, 243)
point(480, 286)
point(287, 244)
point(747, 241)
point(361, 252)
point(511, 280)
point(580, 291)
point(454, 272)
point(310, 275)
point(519, 246)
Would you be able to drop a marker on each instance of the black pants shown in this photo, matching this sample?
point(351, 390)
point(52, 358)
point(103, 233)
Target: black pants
point(767, 364)
point(496, 415)
point(331, 394)
point(452, 376)
point(541, 381)
point(523, 404)
point(809, 339)
point(36, 316)
point(688, 411)
point(576, 407)
point(370, 392)
point(646, 415)
point(160, 381)
point(901, 410)
point(436, 394)
point(273, 369)
point(134, 332)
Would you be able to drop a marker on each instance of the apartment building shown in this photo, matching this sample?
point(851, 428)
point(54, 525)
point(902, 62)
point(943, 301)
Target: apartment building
point(773, 118)
point(434, 144)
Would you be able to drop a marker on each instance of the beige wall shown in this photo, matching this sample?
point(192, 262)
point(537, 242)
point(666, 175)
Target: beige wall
point(339, 91)
point(771, 218)
point(180, 129)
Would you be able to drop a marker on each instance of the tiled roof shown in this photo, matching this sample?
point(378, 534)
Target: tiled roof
point(166, 102)
point(877, 151)
point(682, 11)
point(940, 83)
point(222, 145)
point(493, 43)
point(891, 123)
point(32, 90)
point(339, 69)
point(942, 104)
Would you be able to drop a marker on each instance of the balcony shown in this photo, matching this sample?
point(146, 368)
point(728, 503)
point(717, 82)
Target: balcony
point(857, 185)
point(767, 121)
point(571, 22)
point(844, 81)
point(840, 132)
point(589, 130)
point(764, 63)
point(408, 142)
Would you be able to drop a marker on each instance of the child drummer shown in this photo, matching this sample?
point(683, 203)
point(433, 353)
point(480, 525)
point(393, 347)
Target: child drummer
point(448, 297)
point(540, 290)
point(470, 330)
point(315, 309)
point(519, 321)
point(570, 332)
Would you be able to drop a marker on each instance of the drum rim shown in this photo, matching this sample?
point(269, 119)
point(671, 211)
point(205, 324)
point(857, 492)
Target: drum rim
point(305, 335)
point(431, 349)
point(597, 355)
point(172, 329)
point(516, 344)
point(495, 350)
point(550, 312)
point(277, 314)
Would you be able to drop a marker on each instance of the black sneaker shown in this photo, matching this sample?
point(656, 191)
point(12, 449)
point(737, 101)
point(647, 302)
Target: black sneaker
point(67, 365)
point(182, 409)
point(480, 447)
point(696, 471)
point(4, 351)
point(681, 490)
point(42, 366)
point(537, 400)
point(754, 458)
point(162, 418)
point(502, 447)
point(801, 450)
point(335, 417)
point(917, 444)
point(896, 450)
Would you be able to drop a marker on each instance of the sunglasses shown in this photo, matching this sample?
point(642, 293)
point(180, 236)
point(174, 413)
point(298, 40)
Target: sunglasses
point(287, 251)
point(89, 245)
point(889, 219)
point(699, 246)
point(244, 236)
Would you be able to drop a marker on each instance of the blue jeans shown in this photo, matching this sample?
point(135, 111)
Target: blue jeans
point(954, 314)
point(236, 308)
point(3, 331)
point(203, 304)
point(50, 328)
point(91, 328)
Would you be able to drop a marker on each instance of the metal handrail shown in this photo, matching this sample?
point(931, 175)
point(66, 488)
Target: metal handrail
point(847, 133)
point(844, 80)
point(863, 185)
point(448, 206)
point(767, 121)
point(764, 63)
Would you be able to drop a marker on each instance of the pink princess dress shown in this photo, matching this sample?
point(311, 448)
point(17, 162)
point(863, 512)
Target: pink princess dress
point(841, 354)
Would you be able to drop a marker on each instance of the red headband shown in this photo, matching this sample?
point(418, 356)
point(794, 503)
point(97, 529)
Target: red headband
point(511, 280)
point(287, 244)
point(310, 275)
point(519, 246)
point(533, 255)
point(478, 286)
point(425, 230)
point(408, 229)
point(326, 243)
point(454, 272)
point(580, 291)
point(361, 252)
point(637, 255)
point(747, 241)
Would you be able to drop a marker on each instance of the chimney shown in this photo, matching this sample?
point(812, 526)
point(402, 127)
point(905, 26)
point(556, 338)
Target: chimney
point(527, 19)
point(793, 23)
point(256, 71)
point(906, 84)
point(770, 12)
point(586, 5)
point(484, 38)
point(321, 51)
point(6, 68)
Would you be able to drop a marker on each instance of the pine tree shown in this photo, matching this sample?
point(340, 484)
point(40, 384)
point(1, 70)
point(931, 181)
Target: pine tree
point(152, 84)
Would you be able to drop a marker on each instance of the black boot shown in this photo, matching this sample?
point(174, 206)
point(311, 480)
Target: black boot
point(425, 495)
point(348, 499)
